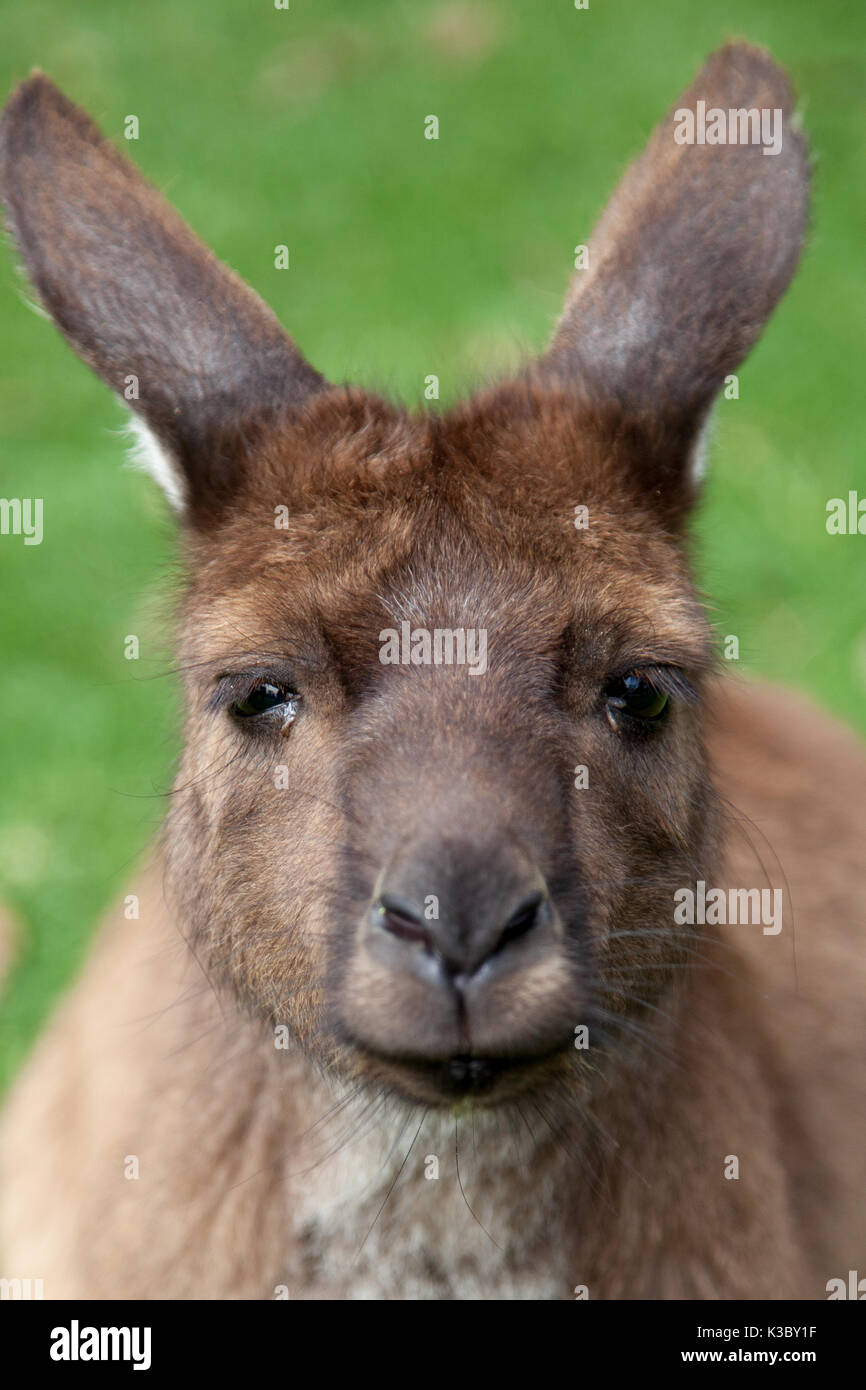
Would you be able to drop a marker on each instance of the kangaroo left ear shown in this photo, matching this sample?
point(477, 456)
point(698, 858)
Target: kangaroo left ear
point(694, 251)
point(179, 336)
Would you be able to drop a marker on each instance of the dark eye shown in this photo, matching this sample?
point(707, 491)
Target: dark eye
point(267, 698)
point(636, 695)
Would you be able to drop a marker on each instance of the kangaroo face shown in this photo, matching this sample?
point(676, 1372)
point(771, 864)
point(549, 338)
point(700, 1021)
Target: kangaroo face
point(433, 873)
point(432, 863)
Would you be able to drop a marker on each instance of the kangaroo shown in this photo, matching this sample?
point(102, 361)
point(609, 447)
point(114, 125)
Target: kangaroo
point(536, 977)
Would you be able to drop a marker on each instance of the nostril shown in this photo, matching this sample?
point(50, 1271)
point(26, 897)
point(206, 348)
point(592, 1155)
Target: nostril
point(401, 919)
point(522, 920)
point(469, 932)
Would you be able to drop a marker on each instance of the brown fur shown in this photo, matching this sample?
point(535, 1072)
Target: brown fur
point(262, 1167)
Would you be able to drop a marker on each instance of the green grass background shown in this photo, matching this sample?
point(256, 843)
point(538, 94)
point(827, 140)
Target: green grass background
point(407, 257)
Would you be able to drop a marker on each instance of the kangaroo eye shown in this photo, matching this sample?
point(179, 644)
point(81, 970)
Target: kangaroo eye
point(267, 698)
point(636, 695)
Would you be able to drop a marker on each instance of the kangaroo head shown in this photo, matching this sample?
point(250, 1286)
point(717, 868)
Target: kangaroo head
point(444, 762)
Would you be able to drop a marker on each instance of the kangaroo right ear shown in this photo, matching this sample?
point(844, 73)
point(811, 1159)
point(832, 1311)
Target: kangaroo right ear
point(192, 349)
point(695, 249)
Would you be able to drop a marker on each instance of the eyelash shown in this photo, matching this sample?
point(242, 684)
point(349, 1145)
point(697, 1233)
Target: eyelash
point(639, 700)
point(667, 680)
point(232, 688)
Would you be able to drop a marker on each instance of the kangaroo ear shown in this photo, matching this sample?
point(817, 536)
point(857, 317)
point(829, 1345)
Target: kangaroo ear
point(194, 351)
point(694, 251)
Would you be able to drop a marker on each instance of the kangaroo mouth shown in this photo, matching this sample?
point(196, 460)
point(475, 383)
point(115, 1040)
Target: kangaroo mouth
point(464, 1076)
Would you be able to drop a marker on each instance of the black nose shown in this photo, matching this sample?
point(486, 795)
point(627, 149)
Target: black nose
point(478, 912)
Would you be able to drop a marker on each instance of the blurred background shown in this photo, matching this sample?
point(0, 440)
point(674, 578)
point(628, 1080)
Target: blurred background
point(408, 256)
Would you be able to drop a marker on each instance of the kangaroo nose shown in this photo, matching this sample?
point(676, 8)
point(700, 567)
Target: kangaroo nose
point(461, 930)
point(460, 955)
